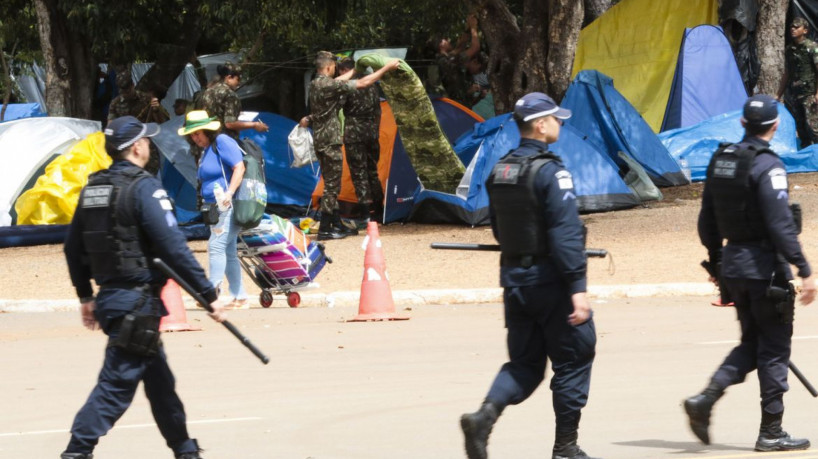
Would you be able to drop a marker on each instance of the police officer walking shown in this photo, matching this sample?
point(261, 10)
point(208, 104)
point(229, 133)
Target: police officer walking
point(745, 201)
point(124, 219)
point(534, 216)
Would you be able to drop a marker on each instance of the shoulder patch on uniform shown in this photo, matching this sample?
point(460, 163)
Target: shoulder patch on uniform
point(162, 196)
point(564, 180)
point(778, 178)
point(97, 196)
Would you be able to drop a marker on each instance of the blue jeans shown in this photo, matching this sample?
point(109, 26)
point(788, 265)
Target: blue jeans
point(223, 256)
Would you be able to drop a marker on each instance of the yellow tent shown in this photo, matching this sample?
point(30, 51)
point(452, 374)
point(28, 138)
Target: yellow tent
point(637, 43)
point(54, 197)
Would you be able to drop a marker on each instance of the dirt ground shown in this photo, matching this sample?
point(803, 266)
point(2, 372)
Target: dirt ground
point(654, 243)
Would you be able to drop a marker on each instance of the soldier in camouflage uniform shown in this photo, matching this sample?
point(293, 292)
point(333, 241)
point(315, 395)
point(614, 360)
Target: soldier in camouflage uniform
point(430, 153)
point(138, 104)
point(452, 60)
point(801, 78)
point(220, 100)
point(326, 96)
point(142, 106)
point(362, 120)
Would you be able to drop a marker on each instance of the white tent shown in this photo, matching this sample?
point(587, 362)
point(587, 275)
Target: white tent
point(27, 146)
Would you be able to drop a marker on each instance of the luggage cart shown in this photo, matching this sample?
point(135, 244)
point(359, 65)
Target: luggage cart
point(277, 268)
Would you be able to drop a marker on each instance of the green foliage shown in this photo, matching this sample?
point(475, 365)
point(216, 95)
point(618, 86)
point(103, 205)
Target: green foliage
point(136, 30)
point(18, 31)
point(294, 29)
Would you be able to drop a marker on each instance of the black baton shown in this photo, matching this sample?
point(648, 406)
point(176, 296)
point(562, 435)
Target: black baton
point(598, 253)
point(803, 379)
point(199, 299)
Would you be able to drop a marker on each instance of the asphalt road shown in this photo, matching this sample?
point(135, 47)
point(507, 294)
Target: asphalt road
point(396, 389)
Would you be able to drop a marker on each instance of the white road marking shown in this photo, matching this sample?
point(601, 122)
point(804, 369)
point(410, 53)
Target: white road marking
point(781, 455)
point(735, 341)
point(131, 426)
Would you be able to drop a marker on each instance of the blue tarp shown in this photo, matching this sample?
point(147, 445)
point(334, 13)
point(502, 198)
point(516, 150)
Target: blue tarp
point(18, 111)
point(707, 81)
point(286, 186)
point(612, 124)
point(596, 178)
point(697, 143)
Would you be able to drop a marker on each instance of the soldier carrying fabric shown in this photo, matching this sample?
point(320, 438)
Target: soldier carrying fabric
point(801, 78)
point(325, 100)
point(362, 115)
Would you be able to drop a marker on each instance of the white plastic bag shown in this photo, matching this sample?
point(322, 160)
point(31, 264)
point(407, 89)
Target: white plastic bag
point(300, 142)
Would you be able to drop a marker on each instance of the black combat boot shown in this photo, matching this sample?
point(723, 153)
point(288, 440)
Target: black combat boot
point(76, 456)
point(698, 408)
point(364, 210)
point(771, 437)
point(342, 227)
point(327, 229)
point(477, 427)
point(565, 447)
point(376, 214)
point(191, 455)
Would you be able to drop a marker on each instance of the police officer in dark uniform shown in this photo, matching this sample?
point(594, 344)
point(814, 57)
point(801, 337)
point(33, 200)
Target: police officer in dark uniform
point(123, 220)
point(745, 201)
point(534, 216)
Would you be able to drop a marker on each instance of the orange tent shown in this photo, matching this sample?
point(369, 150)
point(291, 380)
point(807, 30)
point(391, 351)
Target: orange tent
point(388, 133)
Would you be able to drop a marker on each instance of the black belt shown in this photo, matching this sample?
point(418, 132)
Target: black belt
point(154, 290)
point(760, 243)
point(521, 261)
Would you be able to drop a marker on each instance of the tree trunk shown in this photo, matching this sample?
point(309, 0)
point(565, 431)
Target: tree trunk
point(6, 78)
point(70, 70)
point(502, 35)
point(770, 31)
point(594, 9)
point(537, 57)
point(563, 31)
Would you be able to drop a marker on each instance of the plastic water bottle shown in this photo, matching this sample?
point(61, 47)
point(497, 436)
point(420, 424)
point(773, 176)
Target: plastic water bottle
point(685, 166)
point(219, 194)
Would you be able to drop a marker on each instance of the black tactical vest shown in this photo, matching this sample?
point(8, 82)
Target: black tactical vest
point(518, 213)
point(738, 215)
point(111, 236)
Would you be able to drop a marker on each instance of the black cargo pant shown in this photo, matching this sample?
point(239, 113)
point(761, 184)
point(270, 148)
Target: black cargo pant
point(765, 344)
point(538, 330)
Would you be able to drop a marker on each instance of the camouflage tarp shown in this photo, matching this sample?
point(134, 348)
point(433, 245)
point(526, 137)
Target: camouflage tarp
point(433, 158)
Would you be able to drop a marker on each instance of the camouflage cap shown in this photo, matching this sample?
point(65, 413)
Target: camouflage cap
point(324, 59)
point(228, 69)
point(800, 22)
point(124, 80)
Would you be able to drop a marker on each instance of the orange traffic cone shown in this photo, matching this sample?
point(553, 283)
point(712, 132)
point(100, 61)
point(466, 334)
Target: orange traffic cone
point(376, 296)
point(176, 320)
